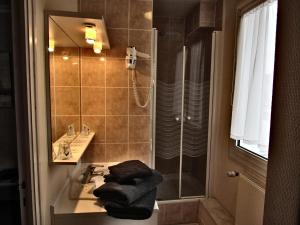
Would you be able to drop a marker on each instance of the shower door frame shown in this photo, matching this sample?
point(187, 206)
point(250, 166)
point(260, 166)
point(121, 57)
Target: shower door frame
point(153, 106)
point(182, 119)
point(153, 94)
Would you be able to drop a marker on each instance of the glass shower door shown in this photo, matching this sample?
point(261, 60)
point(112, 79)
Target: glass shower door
point(195, 115)
point(182, 110)
point(168, 118)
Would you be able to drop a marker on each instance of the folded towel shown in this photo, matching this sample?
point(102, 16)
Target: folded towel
point(127, 194)
point(130, 169)
point(141, 209)
point(112, 178)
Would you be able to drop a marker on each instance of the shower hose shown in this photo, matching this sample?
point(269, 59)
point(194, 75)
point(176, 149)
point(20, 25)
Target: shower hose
point(136, 93)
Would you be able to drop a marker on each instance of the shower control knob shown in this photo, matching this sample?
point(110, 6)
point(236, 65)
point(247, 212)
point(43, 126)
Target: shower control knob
point(177, 118)
point(189, 118)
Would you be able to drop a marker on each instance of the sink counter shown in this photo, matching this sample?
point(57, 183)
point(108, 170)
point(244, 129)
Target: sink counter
point(77, 205)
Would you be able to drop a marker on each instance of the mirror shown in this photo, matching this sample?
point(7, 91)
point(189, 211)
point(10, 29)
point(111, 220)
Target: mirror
point(64, 81)
point(67, 36)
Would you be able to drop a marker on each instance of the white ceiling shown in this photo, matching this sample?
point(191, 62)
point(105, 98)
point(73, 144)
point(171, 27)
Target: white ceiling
point(174, 8)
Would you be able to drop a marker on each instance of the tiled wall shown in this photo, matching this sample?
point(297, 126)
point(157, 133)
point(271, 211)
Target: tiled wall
point(108, 107)
point(65, 90)
point(178, 212)
point(170, 42)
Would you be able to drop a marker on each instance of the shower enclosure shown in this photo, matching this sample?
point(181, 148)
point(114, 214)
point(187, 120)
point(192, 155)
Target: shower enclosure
point(182, 100)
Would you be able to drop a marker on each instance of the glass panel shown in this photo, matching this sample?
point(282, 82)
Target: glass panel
point(182, 129)
point(258, 150)
point(168, 104)
point(196, 114)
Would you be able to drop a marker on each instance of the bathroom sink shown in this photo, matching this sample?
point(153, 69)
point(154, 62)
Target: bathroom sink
point(77, 205)
point(89, 179)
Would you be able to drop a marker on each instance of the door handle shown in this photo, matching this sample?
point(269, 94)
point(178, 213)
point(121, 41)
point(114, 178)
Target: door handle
point(232, 173)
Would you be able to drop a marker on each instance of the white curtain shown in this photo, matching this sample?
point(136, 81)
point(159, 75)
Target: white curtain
point(251, 111)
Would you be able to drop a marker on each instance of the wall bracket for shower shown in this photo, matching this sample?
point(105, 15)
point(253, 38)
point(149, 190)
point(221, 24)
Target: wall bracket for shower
point(131, 57)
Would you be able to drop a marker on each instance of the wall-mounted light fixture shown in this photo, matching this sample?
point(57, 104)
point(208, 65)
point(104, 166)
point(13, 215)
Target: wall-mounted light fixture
point(51, 46)
point(65, 56)
point(90, 33)
point(148, 15)
point(97, 47)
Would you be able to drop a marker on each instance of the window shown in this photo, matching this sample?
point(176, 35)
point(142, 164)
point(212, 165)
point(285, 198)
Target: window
point(251, 112)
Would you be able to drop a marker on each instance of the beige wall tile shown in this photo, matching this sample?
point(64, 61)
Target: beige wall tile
point(133, 108)
point(95, 153)
point(117, 13)
point(140, 151)
point(53, 129)
point(116, 101)
point(116, 152)
point(67, 100)
point(63, 121)
point(116, 129)
point(141, 39)
point(96, 124)
point(116, 73)
point(172, 214)
point(93, 101)
point(118, 42)
point(139, 128)
point(140, 11)
point(161, 214)
point(52, 99)
point(70, 51)
point(189, 212)
point(92, 6)
point(89, 52)
point(51, 69)
point(184, 212)
point(66, 71)
point(207, 14)
point(142, 73)
point(93, 72)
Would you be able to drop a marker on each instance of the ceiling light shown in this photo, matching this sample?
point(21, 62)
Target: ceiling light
point(97, 47)
point(90, 33)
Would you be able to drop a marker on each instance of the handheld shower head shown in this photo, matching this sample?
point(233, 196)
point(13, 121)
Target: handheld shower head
point(131, 57)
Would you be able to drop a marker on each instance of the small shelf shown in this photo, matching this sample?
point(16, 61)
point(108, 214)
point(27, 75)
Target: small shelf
point(78, 147)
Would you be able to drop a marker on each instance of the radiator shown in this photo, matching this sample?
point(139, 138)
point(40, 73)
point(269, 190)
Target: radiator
point(249, 203)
